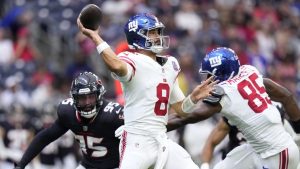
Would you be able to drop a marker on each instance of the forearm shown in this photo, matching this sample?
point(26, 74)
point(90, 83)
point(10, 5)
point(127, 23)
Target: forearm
point(207, 153)
point(109, 57)
point(281, 94)
point(41, 140)
point(175, 123)
point(291, 107)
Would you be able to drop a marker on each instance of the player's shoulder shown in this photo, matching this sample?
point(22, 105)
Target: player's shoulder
point(249, 68)
point(66, 107)
point(127, 54)
point(112, 108)
point(171, 60)
point(216, 95)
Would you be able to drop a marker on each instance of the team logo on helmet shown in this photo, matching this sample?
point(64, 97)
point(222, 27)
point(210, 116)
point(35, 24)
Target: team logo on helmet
point(133, 26)
point(215, 61)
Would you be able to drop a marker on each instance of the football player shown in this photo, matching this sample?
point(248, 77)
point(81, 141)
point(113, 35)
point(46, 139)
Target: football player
point(91, 118)
point(150, 86)
point(221, 130)
point(243, 97)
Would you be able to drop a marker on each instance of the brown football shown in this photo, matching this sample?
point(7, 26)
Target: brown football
point(90, 16)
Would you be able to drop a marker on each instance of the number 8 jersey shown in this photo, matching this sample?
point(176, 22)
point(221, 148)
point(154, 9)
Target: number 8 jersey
point(247, 106)
point(149, 88)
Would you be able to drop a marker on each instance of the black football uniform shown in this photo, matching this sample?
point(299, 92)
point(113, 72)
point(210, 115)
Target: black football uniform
point(236, 138)
point(49, 155)
point(98, 144)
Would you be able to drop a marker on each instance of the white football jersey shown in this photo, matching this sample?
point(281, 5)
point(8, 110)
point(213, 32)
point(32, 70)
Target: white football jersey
point(148, 92)
point(247, 106)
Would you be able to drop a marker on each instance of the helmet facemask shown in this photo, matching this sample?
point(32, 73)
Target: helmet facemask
point(86, 104)
point(155, 44)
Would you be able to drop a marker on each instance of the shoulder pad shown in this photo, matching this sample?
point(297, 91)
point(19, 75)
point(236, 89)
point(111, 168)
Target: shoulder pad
point(216, 95)
point(65, 107)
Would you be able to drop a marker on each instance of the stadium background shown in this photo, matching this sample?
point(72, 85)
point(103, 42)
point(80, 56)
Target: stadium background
point(41, 50)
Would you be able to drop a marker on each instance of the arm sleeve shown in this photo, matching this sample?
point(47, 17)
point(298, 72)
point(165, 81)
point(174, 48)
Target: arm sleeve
point(127, 77)
point(41, 140)
point(124, 56)
point(176, 94)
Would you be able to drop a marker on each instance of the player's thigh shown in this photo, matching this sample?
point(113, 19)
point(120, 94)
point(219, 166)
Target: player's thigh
point(137, 152)
point(286, 159)
point(241, 157)
point(178, 157)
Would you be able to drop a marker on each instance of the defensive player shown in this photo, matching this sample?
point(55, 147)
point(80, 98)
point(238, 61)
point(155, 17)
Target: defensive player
point(243, 97)
point(93, 121)
point(150, 86)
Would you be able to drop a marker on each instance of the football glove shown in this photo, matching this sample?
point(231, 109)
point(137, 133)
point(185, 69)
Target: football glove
point(119, 132)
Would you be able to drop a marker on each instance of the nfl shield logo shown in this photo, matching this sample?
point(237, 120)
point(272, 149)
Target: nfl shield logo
point(175, 66)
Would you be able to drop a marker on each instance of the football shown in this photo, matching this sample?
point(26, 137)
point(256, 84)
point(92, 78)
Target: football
point(90, 16)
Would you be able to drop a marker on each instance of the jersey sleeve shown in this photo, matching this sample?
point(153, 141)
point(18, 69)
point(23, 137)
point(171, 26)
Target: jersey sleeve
point(114, 112)
point(176, 94)
point(64, 109)
point(41, 140)
point(131, 68)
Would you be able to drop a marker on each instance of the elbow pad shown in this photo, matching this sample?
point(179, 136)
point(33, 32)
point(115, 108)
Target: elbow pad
point(216, 95)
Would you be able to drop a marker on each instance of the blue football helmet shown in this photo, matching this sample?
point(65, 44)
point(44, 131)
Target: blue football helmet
point(222, 63)
point(137, 29)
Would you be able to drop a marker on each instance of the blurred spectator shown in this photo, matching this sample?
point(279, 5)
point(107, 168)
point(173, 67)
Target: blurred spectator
point(14, 93)
point(187, 10)
point(6, 48)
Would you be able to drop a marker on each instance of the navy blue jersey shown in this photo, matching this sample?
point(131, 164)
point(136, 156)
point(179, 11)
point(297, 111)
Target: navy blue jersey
point(97, 141)
point(96, 137)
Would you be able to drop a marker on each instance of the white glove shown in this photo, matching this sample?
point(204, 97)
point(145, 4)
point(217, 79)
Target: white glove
point(204, 166)
point(119, 132)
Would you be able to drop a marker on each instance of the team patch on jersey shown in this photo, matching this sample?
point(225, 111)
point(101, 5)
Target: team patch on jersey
point(215, 61)
point(175, 66)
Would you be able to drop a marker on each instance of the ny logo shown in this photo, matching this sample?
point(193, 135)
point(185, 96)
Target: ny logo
point(215, 61)
point(133, 25)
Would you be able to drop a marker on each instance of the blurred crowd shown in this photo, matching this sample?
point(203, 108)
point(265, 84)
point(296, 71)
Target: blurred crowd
point(41, 49)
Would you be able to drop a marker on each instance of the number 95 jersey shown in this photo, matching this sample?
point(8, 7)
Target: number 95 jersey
point(97, 140)
point(152, 86)
point(247, 106)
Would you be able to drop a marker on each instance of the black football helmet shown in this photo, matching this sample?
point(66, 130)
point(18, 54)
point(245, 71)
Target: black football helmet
point(87, 86)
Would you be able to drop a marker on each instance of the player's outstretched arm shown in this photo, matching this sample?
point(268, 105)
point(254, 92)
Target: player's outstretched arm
point(111, 60)
point(215, 137)
point(202, 112)
point(41, 140)
point(281, 94)
point(200, 92)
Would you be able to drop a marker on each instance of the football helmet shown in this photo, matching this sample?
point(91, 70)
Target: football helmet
point(137, 33)
point(222, 63)
point(87, 91)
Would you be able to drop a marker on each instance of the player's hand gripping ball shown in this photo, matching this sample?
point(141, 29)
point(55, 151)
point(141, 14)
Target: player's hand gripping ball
point(90, 16)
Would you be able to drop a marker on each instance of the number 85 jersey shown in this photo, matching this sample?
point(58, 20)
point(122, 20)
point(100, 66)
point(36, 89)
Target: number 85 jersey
point(148, 91)
point(247, 106)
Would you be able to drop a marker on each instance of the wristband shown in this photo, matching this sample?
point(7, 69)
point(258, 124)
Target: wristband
point(102, 46)
point(188, 105)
